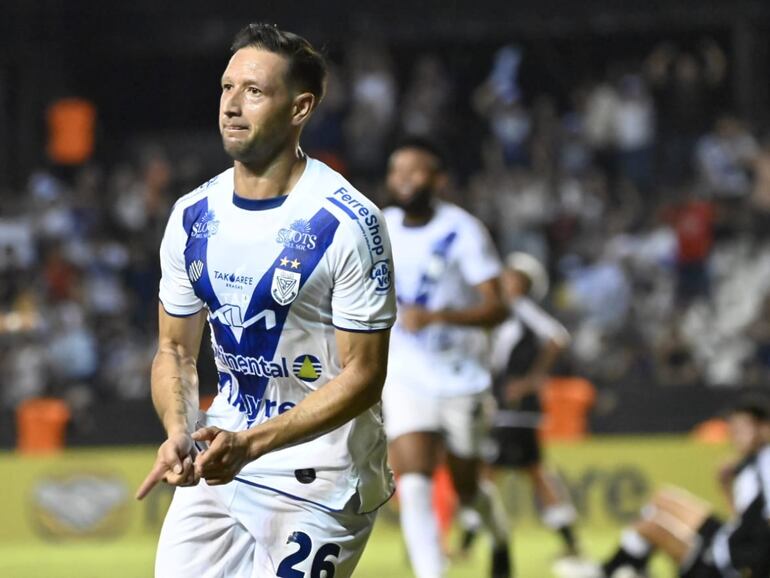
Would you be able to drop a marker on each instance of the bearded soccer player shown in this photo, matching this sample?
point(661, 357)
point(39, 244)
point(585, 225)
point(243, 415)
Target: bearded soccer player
point(291, 267)
point(449, 292)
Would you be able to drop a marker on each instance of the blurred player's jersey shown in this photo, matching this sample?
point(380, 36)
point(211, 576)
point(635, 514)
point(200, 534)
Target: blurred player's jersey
point(277, 276)
point(438, 265)
point(742, 547)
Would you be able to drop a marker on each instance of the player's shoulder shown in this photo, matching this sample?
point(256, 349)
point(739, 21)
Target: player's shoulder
point(215, 186)
point(454, 215)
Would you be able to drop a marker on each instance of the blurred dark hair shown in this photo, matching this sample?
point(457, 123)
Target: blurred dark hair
point(427, 145)
point(307, 66)
point(756, 406)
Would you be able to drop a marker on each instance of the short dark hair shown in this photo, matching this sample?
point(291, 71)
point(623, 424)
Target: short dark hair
point(307, 66)
point(427, 145)
point(756, 406)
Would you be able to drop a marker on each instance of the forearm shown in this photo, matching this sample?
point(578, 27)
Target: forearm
point(175, 390)
point(336, 403)
point(484, 315)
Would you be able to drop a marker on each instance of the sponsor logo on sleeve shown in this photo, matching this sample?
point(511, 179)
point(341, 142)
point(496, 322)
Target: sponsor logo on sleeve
point(382, 276)
point(367, 221)
point(205, 227)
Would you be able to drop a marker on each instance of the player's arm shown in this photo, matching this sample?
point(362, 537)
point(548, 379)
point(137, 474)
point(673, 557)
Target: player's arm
point(174, 384)
point(487, 312)
point(364, 358)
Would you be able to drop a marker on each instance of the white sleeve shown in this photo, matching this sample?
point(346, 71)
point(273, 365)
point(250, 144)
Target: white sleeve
point(480, 261)
point(541, 323)
point(363, 296)
point(176, 292)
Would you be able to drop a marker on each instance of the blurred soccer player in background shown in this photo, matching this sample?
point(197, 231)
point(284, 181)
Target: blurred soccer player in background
point(525, 349)
point(448, 289)
point(291, 266)
point(685, 528)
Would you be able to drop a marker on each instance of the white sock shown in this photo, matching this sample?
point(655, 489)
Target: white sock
point(558, 516)
point(419, 525)
point(493, 515)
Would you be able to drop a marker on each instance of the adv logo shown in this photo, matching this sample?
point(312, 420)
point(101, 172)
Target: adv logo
point(298, 236)
point(205, 227)
point(307, 367)
point(382, 276)
point(285, 286)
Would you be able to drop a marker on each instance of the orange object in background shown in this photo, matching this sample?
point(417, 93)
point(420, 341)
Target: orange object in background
point(444, 499)
point(566, 403)
point(71, 123)
point(40, 425)
point(713, 431)
point(205, 401)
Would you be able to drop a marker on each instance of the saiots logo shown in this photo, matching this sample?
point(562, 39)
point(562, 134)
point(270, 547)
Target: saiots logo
point(205, 227)
point(382, 276)
point(298, 236)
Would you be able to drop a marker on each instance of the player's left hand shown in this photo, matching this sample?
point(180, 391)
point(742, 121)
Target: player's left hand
point(415, 318)
point(225, 456)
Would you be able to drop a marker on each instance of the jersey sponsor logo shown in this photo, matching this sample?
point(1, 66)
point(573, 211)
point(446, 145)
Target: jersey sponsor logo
point(367, 221)
point(195, 270)
point(307, 368)
point(382, 276)
point(232, 316)
point(232, 280)
point(285, 286)
point(298, 236)
point(206, 226)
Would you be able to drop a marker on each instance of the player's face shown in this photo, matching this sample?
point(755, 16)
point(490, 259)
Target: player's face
point(746, 433)
point(412, 176)
point(255, 108)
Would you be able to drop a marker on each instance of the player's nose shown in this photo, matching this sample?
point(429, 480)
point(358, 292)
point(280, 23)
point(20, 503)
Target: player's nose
point(231, 106)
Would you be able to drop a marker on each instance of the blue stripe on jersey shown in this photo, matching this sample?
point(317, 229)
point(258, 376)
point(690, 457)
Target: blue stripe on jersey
point(254, 352)
point(342, 206)
point(428, 280)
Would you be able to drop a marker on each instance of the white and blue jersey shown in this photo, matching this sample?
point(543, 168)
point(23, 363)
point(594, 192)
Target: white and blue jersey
point(438, 266)
point(277, 276)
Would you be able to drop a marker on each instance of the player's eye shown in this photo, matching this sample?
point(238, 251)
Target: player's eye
point(253, 90)
point(226, 86)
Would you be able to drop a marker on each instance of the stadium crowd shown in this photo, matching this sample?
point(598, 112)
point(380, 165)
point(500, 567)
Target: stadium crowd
point(648, 200)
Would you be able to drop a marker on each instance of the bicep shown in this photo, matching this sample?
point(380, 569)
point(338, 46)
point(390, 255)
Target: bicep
point(365, 353)
point(180, 335)
point(490, 291)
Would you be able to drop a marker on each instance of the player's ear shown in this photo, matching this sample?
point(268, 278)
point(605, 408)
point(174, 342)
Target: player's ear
point(303, 106)
point(442, 180)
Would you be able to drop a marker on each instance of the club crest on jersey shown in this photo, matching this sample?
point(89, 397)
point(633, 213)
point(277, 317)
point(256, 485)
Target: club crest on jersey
point(285, 286)
point(382, 276)
point(298, 236)
point(205, 227)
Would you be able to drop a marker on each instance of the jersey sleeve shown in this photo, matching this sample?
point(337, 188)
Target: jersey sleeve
point(363, 296)
point(479, 259)
point(763, 467)
point(176, 292)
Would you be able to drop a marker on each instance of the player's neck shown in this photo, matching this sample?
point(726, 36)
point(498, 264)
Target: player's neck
point(275, 179)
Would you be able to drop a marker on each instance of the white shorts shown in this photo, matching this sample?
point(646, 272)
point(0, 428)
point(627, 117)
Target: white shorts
point(241, 531)
point(460, 420)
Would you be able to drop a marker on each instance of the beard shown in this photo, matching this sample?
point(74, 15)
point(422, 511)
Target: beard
point(420, 203)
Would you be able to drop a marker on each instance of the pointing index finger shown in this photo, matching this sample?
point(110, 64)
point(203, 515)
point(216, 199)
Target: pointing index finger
point(156, 475)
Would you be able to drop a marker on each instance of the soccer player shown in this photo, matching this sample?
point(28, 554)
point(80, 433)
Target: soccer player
point(684, 527)
point(448, 289)
point(291, 267)
point(525, 349)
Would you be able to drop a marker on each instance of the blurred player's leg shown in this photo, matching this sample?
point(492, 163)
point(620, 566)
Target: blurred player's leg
point(414, 456)
point(556, 510)
point(463, 422)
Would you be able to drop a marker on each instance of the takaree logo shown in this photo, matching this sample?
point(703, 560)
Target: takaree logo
point(233, 278)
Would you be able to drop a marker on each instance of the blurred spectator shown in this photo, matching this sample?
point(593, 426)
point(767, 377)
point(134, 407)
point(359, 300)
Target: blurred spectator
point(725, 158)
point(424, 111)
point(635, 132)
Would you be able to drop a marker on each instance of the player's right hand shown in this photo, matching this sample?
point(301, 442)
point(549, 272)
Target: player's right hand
point(174, 465)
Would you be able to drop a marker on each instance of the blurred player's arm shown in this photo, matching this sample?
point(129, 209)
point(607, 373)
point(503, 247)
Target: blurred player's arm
point(488, 312)
point(364, 358)
point(175, 397)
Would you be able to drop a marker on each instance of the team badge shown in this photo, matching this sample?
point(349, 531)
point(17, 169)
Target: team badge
point(285, 286)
